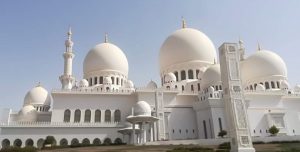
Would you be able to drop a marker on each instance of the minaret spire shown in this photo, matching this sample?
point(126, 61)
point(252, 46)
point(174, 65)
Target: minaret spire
point(183, 22)
point(67, 79)
point(241, 49)
point(106, 38)
point(258, 46)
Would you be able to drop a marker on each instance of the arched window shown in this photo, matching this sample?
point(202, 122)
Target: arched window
point(251, 88)
point(199, 87)
point(63, 142)
point(267, 85)
point(117, 81)
point(74, 142)
point(191, 74)
point(77, 115)
point(95, 80)
point(197, 73)
point(183, 76)
point(97, 116)
point(29, 142)
point(278, 84)
point(90, 82)
point(86, 141)
point(96, 141)
point(101, 80)
point(176, 75)
point(87, 116)
point(182, 88)
point(107, 116)
point(67, 115)
point(255, 85)
point(217, 88)
point(113, 80)
point(192, 88)
point(272, 84)
point(5, 143)
point(18, 143)
point(121, 82)
point(117, 116)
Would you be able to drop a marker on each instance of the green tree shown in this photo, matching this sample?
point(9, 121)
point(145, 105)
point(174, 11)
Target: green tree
point(273, 130)
point(222, 133)
point(50, 140)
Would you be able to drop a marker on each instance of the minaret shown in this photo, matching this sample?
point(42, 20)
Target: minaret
point(241, 49)
point(67, 79)
point(234, 100)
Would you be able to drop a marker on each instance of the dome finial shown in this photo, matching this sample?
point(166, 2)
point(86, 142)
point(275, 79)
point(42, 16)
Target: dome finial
point(258, 46)
point(39, 84)
point(183, 22)
point(69, 33)
point(106, 38)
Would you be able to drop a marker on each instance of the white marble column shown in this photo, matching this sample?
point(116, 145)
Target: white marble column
point(72, 115)
point(144, 133)
point(151, 131)
point(92, 115)
point(133, 134)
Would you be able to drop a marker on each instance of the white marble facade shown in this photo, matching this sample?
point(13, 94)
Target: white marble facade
point(187, 105)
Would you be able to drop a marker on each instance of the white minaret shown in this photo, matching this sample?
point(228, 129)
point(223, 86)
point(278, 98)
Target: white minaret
point(67, 79)
point(234, 100)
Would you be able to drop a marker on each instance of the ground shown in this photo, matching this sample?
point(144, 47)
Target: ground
point(127, 148)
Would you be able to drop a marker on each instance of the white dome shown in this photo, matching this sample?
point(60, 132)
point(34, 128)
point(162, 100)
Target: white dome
point(170, 78)
point(83, 83)
point(260, 87)
point(129, 84)
point(37, 96)
point(105, 57)
point(186, 45)
point(211, 89)
point(107, 80)
point(211, 76)
point(27, 113)
point(284, 84)
point(151, 85)
point(262, 64)
point(142, 108)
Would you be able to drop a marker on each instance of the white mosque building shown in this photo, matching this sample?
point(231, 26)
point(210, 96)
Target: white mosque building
point(105, 106)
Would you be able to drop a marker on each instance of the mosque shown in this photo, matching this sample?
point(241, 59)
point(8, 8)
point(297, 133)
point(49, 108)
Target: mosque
point(104, 106)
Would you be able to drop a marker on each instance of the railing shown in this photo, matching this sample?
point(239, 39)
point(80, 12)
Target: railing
point(61, 124)
point(94, 91)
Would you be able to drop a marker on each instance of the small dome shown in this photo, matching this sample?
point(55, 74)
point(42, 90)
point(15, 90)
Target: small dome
point(211, 89)
point(201, 72)
point(27, 113)
point(297, 88)
point(107, 80)
point(83, 83)
point(105, 57)
point(260, 87)
point(170, 78)
point(151, 85)
point(142, 108)
point(186, 45)
point(129, 84)
point(262, 64)
point(212, 76)
point(37, 96)
point(284, 84)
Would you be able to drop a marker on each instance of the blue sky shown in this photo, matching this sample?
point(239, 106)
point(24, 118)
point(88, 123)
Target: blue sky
point(32, 35)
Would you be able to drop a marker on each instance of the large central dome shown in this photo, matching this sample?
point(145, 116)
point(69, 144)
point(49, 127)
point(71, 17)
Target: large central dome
point(186, 45)
point(105, 57)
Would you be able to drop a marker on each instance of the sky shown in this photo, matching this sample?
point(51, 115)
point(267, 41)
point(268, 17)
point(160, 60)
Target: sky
point(32, 35)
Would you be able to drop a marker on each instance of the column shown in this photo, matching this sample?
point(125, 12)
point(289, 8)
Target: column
point(133, 133)
point(112, 115)
point(72, 115)
point(92, 115)
point(82, 112)
point(102, 116)
point(151, 131)
point(144, 133)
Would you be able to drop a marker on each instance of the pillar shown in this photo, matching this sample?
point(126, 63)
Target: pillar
point(144, 133)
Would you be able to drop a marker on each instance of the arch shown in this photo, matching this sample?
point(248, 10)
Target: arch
point(18, 143)
point(198, 86)
point(77, 115)
point(67, 115)
point(117, 80)
point(90, 82)
point(121, 82)
point(197, 73)
point(86, 141)
point(107, 141)
point(267, 85)
point(251, 88)
point(87, 115)
point(190, 74)
point(63, 142)
point(107, 115)
point(98, 115)
point(118, 141)
point(176, 75)
point(29, 142)
point(101, 80)
point(192, 88)
point(40, 143)
point(272, 84)
point(96, 80)
point(74, 142)
point(5, 143)
point(182, 88)
point(278, 84)
point(96, 141)
point(183, 76)
point(117, 115)
point(255, 85)
point(112, 80)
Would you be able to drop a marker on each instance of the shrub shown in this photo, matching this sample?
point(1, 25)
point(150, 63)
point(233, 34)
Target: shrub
point(225, 145)
point(18, 149)
point(50, 140)
point(107, 141)
point(273, 130)
point(222, 133)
